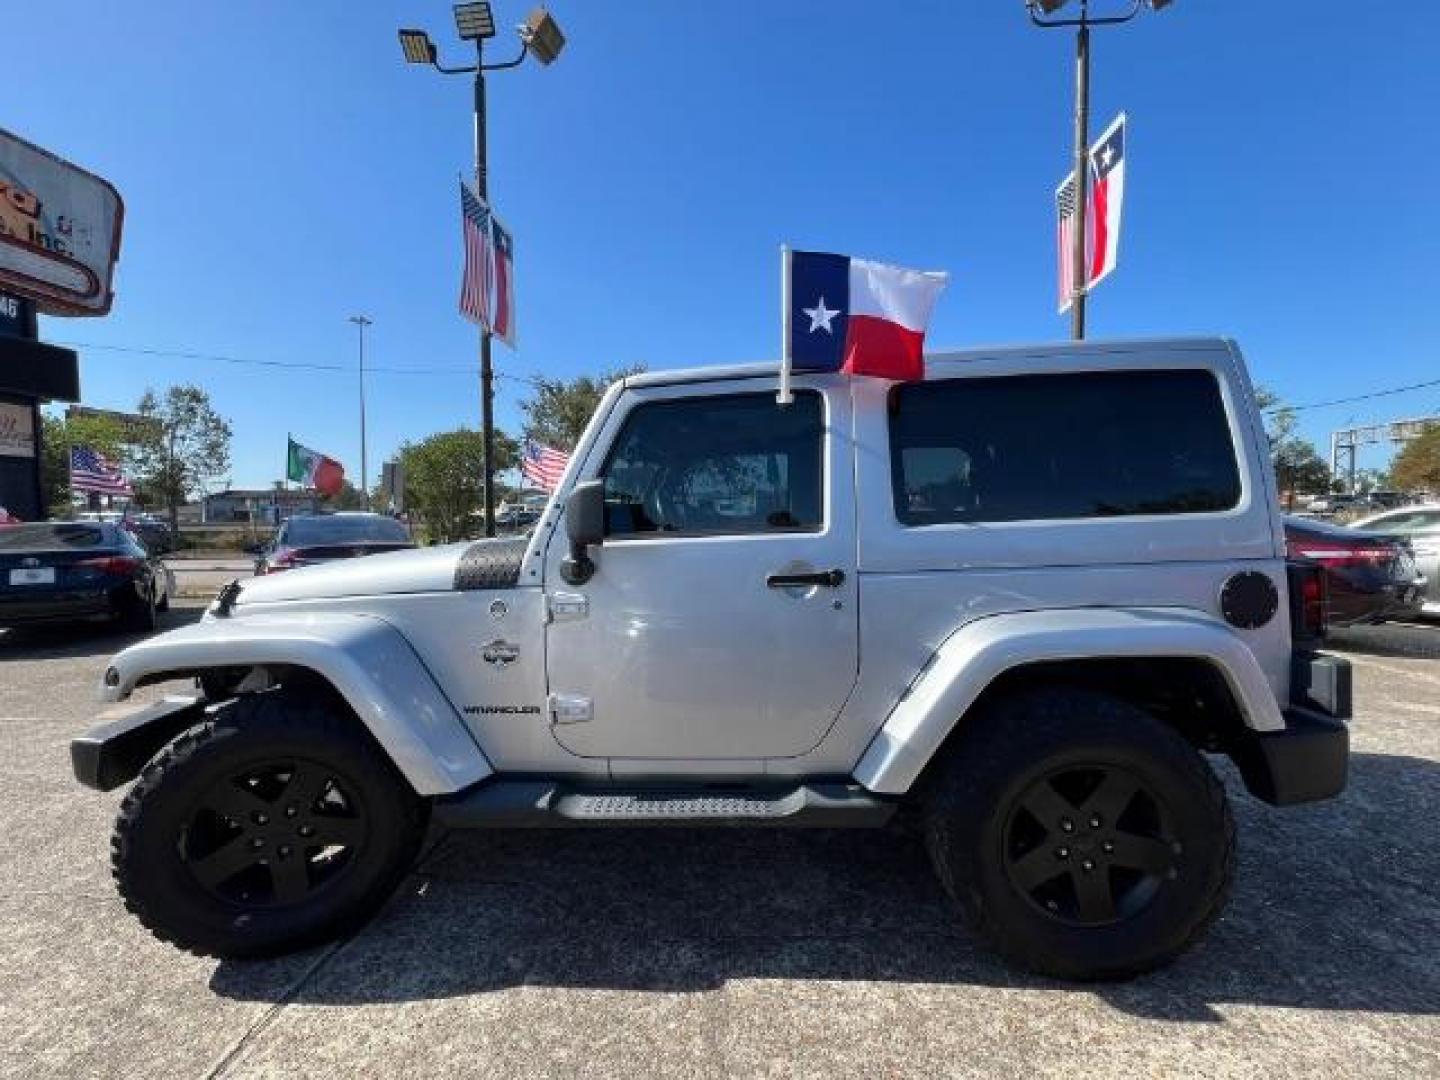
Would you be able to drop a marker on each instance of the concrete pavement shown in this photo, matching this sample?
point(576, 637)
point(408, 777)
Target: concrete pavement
point(718, 954)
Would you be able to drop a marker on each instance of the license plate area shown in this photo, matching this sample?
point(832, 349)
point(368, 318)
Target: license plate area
point(33, 575)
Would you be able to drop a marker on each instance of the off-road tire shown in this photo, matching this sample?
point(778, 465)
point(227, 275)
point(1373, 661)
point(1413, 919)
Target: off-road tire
point(148, 856)
point(1019, 741)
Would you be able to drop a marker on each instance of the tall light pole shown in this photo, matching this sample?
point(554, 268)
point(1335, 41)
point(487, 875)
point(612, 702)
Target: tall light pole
point(361, 322)
point(541, 38)
point(1047, 8)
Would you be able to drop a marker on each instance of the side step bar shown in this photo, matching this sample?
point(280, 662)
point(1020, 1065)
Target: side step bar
point(522, 804)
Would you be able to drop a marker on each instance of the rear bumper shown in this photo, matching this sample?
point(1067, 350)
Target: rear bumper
point(1306, 762)
point(56, 607)
point(1310, 759)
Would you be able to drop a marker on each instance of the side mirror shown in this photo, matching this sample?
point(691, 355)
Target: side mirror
point(585, 526)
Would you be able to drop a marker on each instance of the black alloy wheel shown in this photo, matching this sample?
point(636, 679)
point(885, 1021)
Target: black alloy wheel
point(274, 834)
point(1090, 845)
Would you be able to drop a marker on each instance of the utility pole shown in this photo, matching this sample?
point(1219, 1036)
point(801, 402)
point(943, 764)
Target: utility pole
point(487, 372)
point(361, 322)
point(1082, 170)
point(541, 38)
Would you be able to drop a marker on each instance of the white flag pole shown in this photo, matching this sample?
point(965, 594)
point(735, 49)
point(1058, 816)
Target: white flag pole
point(784, 397)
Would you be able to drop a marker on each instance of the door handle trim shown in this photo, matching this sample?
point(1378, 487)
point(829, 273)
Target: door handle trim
point(829, 579)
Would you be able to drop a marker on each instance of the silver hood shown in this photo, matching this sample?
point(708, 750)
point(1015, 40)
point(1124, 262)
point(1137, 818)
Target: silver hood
point(417, 570)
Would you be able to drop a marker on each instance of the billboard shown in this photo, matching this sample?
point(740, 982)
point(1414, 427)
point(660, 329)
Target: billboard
point(59, 231)
point(134, 428)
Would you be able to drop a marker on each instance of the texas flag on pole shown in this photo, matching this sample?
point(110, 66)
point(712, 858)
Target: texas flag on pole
point(1105, 201)
point(856, 316)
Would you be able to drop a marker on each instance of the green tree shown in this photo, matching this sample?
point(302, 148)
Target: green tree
point(191, 449)
point(1417, 466)
point(1298, 467)
point(58, 435)
point(559, 409)
point(349, 497)
point(443, 479)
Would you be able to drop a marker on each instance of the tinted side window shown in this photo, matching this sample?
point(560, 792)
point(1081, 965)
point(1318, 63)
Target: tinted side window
point(716, 465)
point(1092, 444)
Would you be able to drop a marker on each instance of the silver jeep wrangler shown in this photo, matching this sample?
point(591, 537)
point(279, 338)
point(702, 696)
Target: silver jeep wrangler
point(1015, 605)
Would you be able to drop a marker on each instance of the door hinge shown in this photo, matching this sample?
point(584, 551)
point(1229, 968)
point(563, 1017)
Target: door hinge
point(568, 606)
point(571, 709)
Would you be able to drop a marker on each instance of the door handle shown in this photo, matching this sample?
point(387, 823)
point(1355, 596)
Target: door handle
point(830, 579)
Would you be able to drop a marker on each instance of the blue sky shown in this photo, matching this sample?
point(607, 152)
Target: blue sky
point(283, 169)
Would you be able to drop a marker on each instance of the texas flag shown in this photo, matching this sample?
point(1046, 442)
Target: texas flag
point(858, 316)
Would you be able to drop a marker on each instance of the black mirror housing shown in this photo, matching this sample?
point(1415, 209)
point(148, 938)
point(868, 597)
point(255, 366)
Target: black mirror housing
point(585, 526)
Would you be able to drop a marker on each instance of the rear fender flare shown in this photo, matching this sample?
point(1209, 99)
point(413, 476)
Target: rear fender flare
point(367, 661)
point(981, 651)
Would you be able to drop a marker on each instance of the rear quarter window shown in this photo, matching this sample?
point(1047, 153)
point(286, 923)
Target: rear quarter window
point(1075, 445)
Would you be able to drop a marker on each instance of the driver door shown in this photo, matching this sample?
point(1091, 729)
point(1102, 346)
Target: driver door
point(683, 645)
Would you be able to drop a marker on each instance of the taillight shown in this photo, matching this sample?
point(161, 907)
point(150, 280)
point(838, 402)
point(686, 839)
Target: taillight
point(1309, 599)
point(281, 560)
point(1340, 552)
point(111, 564)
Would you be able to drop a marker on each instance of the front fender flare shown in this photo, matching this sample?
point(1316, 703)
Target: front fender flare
point(980, 651)
point(364, 658)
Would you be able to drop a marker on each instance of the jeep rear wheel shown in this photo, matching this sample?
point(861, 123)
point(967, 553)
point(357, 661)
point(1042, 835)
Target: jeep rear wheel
point(273, 827)
point(1080, 836)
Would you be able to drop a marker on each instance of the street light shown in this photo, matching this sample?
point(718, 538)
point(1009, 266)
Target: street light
point(1083, 22)
point(540, 37)
point(361, 322)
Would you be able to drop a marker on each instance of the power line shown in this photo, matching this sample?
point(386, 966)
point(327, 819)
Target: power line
point(341, 369)
point(1358, 397)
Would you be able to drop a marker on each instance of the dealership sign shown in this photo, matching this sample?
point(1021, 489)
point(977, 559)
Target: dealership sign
point(17, 430)
point(59, 231)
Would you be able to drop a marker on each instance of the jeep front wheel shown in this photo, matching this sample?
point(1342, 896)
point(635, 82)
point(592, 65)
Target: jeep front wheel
point(1080, 836)
point(272, 827)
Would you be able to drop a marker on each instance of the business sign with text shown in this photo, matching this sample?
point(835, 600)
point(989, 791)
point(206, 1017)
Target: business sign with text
point(59, 231)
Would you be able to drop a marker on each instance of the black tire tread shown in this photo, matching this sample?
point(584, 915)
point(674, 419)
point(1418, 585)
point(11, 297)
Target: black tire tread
point(989, 749)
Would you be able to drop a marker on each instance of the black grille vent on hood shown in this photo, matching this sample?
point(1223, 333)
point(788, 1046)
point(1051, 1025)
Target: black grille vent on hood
point(491, 564)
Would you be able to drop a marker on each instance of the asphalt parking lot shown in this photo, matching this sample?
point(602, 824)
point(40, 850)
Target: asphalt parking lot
point(727, 953)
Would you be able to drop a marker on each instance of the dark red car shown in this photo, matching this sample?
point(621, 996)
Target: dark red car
point(1370, 576)
point(319, 538)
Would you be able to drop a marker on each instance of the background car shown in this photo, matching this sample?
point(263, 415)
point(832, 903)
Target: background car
point(319, 538)
point(1371, 576)
point(60, 570)
point(154, 533)
point(1421, 526)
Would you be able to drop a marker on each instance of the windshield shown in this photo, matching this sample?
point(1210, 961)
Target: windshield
point(360, 529)
point(49, 536)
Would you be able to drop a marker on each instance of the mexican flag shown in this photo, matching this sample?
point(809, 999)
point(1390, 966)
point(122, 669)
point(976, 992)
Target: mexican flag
point(313, 469)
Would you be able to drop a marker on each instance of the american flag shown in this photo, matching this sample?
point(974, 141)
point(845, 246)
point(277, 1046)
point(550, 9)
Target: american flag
point(92, 471)
point(1065, 239)
point(479, 258)
point(542, 466)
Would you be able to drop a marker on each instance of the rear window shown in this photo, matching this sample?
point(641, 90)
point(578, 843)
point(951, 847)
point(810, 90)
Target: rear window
point(1082, 445)
point(314, 532)
point(50, 536)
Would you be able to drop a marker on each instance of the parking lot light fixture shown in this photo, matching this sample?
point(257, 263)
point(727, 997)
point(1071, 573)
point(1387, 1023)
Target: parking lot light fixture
point(417, 47)
point(1082, 22)
point(542, 35)
point(474, 21)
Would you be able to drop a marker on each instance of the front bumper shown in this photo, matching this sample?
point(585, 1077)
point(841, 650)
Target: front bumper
point(114, 752)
